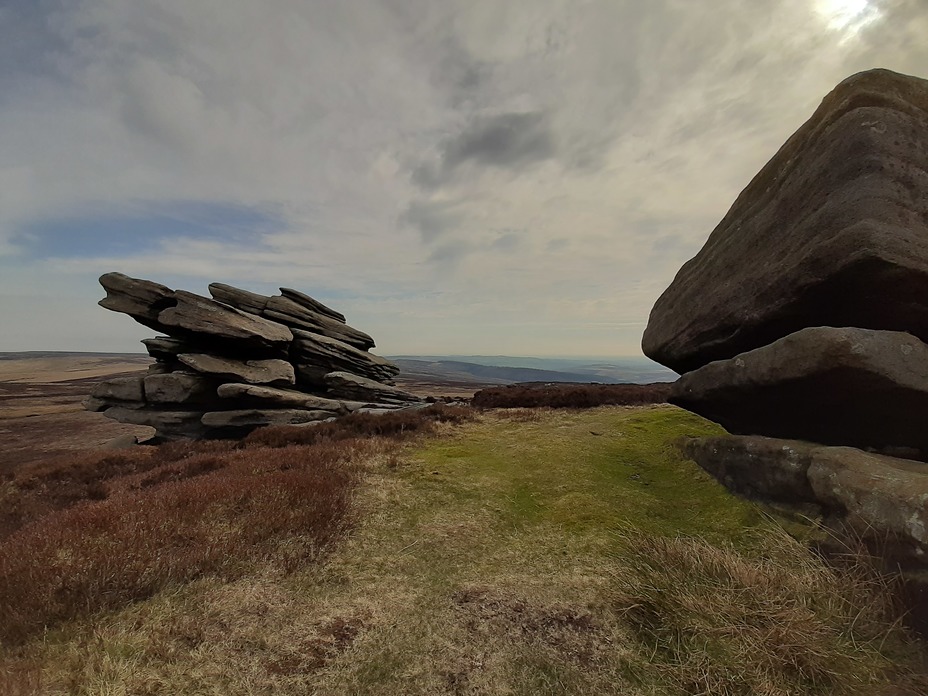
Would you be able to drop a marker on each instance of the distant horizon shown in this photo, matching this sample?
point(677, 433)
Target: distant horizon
point(387, 355)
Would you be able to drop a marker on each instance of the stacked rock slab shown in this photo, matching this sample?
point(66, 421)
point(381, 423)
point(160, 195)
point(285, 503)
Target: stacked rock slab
point(241, 360)
point(805, 316)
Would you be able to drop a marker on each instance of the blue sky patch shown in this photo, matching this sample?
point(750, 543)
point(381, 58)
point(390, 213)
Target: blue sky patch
point(145, 228)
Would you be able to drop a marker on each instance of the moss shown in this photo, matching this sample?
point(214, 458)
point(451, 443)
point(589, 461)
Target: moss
point(592, 472)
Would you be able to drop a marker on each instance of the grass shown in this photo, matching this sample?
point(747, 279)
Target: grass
point(525, 552)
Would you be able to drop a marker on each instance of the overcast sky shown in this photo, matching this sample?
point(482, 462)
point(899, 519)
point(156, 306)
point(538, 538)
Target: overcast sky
point(469, 177)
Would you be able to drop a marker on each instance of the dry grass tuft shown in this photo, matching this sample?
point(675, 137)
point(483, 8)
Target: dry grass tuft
point(571, 395)
point(715, 621)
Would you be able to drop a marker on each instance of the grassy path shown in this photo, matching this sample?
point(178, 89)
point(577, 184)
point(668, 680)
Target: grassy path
point(529, 552)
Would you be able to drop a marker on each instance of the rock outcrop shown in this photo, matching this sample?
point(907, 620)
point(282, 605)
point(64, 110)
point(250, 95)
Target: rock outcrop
point(802, 324)
point(833, 231)
point(241, 360)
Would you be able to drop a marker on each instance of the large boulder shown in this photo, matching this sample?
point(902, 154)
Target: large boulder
point(761, 468)
point(841, 386)
point(883, 499)
point(833, 231)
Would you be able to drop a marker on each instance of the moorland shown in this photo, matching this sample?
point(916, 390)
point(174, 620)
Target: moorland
point(456, 550)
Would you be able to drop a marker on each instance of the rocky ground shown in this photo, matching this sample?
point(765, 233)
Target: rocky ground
point(40, 403)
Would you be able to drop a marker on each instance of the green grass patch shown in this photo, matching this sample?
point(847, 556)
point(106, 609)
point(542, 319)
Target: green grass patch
point(591, 472)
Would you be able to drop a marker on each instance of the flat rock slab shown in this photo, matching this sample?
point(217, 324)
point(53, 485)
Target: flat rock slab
point(179, 388)
point(273, 371)
point(202, 317)
point(884, 499)
point(141, 299)
point(168, 424)
point(331, 355)
point(757, 467)
point(120, 389)
point(165, 347)
point(833, 231)
point(294, 315)
point(857, 387)
point(247, 301)
point(256, 418)
point(311, 304)
point(280, 398)
point(352, 386)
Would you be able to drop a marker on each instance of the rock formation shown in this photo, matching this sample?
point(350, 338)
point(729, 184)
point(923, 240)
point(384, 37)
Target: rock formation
point(241, 360)
point(833, 231)
point(805, 317)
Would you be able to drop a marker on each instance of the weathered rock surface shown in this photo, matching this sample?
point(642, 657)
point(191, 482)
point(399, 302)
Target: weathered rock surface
point(311, 304)
point(354, 387)
point(141, 299)
point(280, 398)
point(833, 231)
point(289, 313)
point(332, 355)
point(179, 388)
point(165, 347)
point(120, 389)
point(256, 418)
point(885, 499)
point(841, 386)
point(200, 316)
point(274, 372)
point(169, 425)
point(250, 302)
point(219, 369)
point(757, 467)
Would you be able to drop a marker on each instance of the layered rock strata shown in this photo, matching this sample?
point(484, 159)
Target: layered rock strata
point(801, 325)
point(241, 360)
point(836, 386)
point(833, 231)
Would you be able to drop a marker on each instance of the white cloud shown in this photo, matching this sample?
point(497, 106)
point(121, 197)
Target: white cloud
point(366, 126)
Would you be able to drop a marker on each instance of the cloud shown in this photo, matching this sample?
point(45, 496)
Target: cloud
point(456, 177)
point(507, 141)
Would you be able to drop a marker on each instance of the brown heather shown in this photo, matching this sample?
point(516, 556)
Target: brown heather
point(571, 395)
point(101, 530)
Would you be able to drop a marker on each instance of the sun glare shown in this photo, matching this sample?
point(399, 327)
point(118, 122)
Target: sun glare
point(847, 16)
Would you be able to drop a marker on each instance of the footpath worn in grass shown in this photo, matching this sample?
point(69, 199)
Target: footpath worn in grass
point(528, 552)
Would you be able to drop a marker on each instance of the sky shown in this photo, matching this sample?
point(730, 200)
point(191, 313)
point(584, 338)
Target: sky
point(518, 177)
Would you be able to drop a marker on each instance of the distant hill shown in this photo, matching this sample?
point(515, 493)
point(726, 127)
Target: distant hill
point(508, 369)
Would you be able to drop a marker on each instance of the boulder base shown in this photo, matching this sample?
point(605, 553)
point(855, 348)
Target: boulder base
point(857, 387)
point(884, 499)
